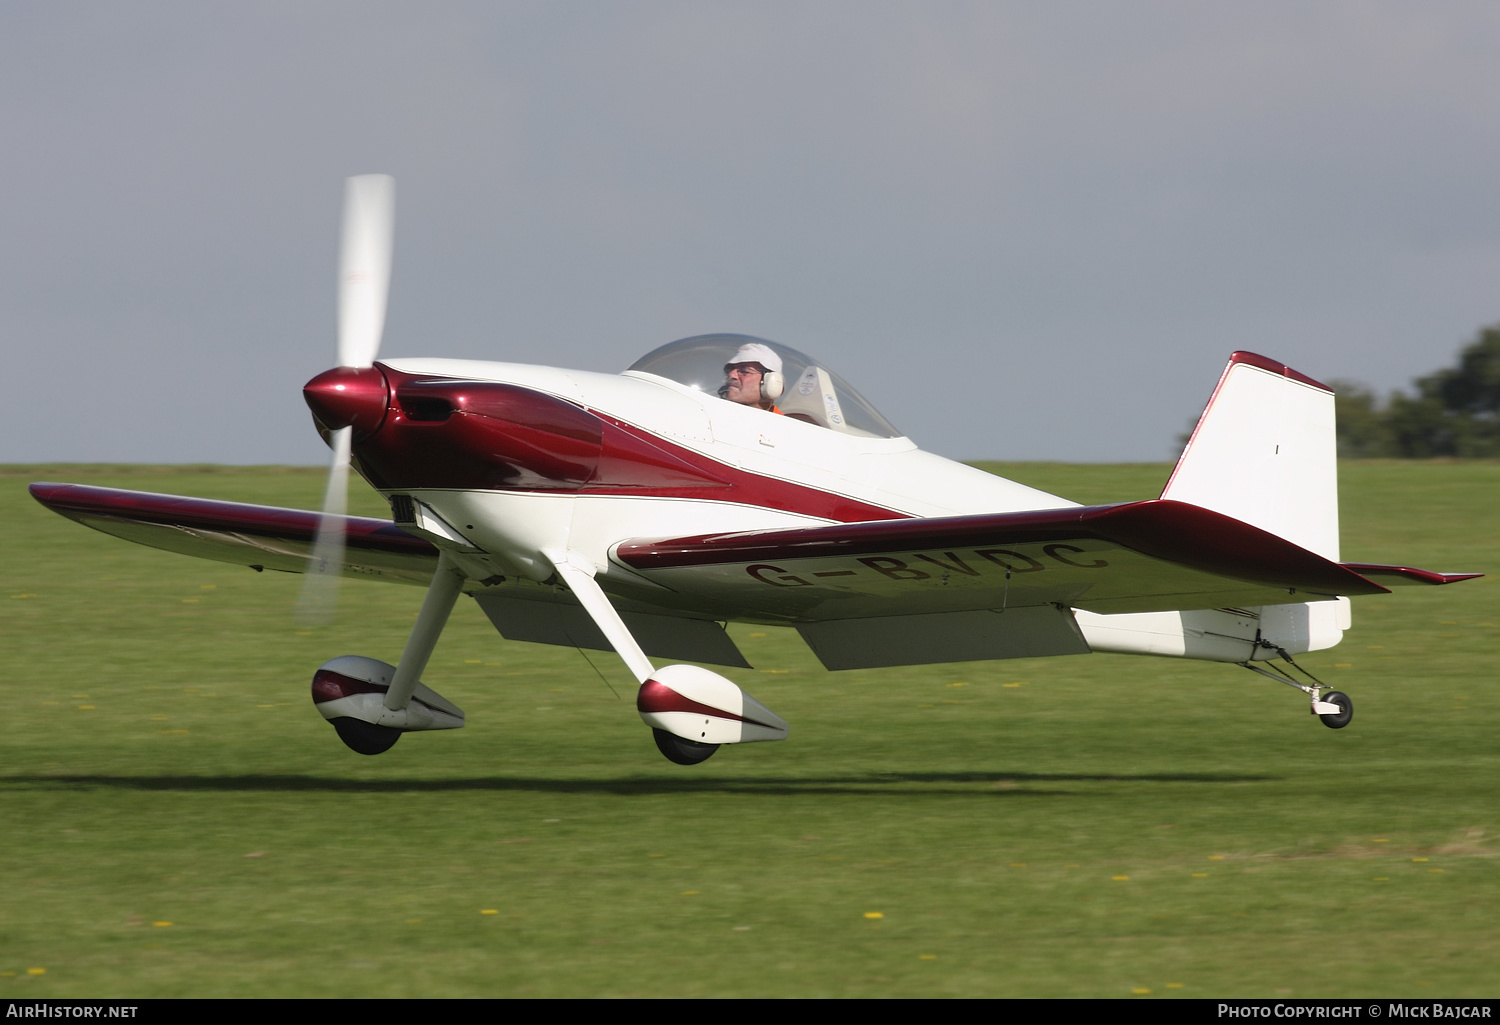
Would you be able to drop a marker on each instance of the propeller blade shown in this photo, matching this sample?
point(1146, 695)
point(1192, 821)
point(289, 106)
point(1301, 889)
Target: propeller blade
point(365, 266)
point(364, 282)
point(320, 584)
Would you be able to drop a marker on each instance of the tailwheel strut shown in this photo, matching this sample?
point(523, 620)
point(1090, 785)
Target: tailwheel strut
point(1331, 706)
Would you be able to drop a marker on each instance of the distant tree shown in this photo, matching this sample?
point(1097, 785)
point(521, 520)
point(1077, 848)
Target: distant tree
point(1419, 428)
point(1472, 387)
point(1455, 412)
point(1363, 429)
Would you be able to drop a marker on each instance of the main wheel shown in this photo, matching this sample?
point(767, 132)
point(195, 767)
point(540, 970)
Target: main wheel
point(1338, 720)
point(683, 752)
point(365, 737)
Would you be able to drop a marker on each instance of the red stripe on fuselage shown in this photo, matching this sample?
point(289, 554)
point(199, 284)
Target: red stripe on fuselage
point(747, 488)
point(510, 439)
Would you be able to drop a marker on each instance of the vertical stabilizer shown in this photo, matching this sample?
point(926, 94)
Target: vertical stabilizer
point(1264, 452)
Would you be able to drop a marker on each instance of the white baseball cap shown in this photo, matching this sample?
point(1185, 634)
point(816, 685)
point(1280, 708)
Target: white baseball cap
point(755, 352)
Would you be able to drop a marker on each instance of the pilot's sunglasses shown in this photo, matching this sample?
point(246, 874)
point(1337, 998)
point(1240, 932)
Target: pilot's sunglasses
point(743, 368)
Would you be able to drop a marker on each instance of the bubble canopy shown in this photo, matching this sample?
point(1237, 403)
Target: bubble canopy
point(813, 393)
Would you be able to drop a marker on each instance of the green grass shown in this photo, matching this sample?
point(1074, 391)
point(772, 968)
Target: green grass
point(1087, 826)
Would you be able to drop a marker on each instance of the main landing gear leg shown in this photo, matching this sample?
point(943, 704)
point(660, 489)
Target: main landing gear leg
point(447, 584)
point(1334, 708)
point(578, 574)
point(690, 710)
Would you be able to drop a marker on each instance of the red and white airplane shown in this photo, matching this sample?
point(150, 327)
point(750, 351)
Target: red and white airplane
point(726, 478)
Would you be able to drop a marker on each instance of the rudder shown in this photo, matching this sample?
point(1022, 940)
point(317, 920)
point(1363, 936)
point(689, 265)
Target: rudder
point(1265, 452)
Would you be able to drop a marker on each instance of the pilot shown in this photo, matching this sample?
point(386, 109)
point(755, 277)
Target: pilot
point(753, 377)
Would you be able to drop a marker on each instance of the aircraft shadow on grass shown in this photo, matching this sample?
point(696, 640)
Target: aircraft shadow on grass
point(1008, 784)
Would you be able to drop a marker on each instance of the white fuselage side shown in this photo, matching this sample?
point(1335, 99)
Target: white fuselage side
point(888, 472)
point(515, 528)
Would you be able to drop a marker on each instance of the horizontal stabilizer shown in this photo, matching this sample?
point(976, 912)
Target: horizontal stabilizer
point(1405, 576)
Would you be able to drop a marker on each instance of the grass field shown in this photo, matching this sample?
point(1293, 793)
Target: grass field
point(179, 821)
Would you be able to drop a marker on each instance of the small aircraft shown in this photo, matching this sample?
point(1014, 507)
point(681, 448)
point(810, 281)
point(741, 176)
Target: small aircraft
point(728, 478)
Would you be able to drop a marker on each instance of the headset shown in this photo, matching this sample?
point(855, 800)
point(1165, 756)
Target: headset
point(772, 384)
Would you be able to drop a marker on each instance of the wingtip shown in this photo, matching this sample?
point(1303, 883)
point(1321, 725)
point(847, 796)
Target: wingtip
point(46, 491)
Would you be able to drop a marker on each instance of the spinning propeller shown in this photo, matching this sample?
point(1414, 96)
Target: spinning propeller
point(364, 280)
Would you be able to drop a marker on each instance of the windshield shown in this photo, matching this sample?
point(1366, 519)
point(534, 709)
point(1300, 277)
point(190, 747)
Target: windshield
point(812, 392)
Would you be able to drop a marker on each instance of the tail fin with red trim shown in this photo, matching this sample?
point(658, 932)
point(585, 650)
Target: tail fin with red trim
point(1264, 452)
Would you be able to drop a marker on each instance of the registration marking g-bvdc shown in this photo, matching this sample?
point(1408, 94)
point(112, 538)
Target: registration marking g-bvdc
point(986, 561)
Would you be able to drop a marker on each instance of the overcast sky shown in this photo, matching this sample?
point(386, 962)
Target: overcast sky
point(1023, 230)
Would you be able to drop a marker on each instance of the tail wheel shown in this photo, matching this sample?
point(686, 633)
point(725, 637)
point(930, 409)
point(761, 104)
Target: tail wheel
point(1338, 720)
point(683, 752)
point(364, 737)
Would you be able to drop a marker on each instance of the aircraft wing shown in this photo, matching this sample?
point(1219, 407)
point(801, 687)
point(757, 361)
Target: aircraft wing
point(1136, 557)
point(259, 536)
point(269, 537)
point(962, 588)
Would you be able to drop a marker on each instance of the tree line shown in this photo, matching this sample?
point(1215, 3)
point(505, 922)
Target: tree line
point(1454, 412)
